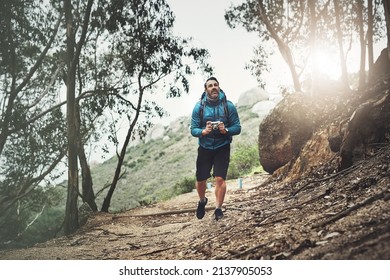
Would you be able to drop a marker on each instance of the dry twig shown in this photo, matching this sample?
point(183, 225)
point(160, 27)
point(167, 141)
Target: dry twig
point(346, 212)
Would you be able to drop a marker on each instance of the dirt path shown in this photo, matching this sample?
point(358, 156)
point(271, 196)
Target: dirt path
point(140, 233)
point(345, 217)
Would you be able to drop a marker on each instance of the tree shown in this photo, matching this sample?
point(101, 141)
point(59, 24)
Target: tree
point(149, 54)
point(13, 68)
point(32, 141)
point(99, 81)
point(360, 24)
point(312, 39)
point(73, 55)
point(386, 6)
point(300, 27)
point(26, 64)
point(339, 35)
point(370, 37)
point(253, 15)
point(282, 45)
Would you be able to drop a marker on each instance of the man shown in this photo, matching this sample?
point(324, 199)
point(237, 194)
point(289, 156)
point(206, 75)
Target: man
point(214, 121)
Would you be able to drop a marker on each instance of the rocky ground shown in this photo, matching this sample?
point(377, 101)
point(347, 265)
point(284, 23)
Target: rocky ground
point(342, 215)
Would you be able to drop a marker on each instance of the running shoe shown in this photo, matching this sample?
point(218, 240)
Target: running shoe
point(218, 214)
point(201, 211)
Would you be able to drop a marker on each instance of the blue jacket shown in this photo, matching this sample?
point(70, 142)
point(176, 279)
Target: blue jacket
point(215, 112)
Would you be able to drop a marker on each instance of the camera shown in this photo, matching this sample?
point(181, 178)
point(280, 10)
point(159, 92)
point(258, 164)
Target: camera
point(215, 125)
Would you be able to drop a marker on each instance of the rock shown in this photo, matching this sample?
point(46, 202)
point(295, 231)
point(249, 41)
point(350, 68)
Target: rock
point(381, 66)
point(156, 132)
point(368, 124)
point(262, 108)
point(251, 97)
point(85, 212)
point(178, 124)
point(285, 130)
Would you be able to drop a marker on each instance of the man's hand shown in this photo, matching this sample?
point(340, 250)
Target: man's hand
point(221, 127)
point(207, 129)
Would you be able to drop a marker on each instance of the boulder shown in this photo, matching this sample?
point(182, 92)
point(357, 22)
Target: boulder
point(367, 125)
point(178, 124)
point(84, 213)
point(156, 132)
point(285, 130)
point(381, 66)
point(262, 108)
point(251, 97)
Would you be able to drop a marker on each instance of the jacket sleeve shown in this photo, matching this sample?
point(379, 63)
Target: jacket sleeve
point(196, 126)
point(234, 120)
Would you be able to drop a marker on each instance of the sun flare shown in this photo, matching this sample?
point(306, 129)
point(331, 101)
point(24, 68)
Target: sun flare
point(326, 63)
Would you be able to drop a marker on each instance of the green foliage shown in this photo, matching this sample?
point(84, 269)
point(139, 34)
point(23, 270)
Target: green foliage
point(148, 194)
point(177, 158)
point(244, 159)
point(161, 154)
point(186, 185)
point(164, 193)
point(35, 218)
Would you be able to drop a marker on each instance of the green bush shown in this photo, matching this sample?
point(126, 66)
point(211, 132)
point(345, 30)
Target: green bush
point(35, 218)
point(184, 186)
point(244, 159)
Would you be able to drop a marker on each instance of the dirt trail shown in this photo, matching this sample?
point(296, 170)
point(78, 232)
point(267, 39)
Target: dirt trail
point(344, 216)
point(141, 233)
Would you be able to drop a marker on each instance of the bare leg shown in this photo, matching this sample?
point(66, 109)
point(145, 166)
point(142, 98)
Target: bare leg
point(220, 190)
point(201, 189)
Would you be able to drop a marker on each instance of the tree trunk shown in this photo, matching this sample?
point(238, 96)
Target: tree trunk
point(107, 199)
point(88, 195)
point(370, 39)
point(362, 71)
point(313, 28)
point(283, 47)
point(386, 6)
point(73, 54)
point(343, 63)
point(71, 212)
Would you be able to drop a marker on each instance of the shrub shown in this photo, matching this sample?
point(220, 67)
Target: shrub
point(244, 159)
point(184, 186)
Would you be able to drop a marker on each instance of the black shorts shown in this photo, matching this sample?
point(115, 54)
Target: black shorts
point(217, 159)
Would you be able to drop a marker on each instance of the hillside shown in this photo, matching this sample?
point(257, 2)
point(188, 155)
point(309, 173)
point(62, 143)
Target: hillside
point(308, 209)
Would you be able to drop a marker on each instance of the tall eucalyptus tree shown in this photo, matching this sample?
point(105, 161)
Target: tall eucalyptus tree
point(32, 141)
point(146, 55)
